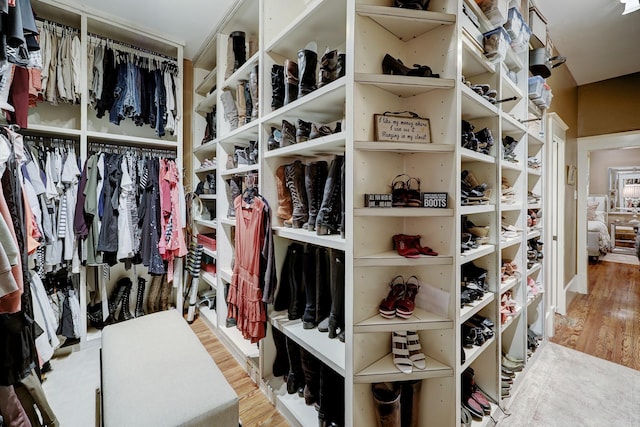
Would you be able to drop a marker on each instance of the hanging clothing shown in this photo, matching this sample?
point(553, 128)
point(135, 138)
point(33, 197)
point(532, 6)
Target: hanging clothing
point(172, 244)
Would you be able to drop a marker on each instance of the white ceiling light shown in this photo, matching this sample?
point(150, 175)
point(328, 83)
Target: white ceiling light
point(630, 6)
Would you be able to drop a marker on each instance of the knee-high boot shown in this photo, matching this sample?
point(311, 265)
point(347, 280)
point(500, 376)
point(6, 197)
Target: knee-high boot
point(294, 179)
point(241, 103)
point(290, 81)
point(331, 411)
point(125, 313)
point(281, 361)
point(295, 378)
point(311, 368)
point(336, 317)
point(410, 403)
point(328, 219)
point(314, 179)
point(323, 284)
point(309, 275)
point(277, 86)
point(153, 298)
point(165, 293)
point(140, 297)
point(386, 397)
point(307, 63)
point(290, 293)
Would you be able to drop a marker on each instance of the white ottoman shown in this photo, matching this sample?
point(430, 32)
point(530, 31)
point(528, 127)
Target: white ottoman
point(155, 372)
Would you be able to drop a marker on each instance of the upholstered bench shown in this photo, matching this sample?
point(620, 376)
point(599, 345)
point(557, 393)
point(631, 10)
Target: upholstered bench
point(155, 372)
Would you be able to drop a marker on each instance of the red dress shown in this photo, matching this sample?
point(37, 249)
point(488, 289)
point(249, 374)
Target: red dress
point(245, 294)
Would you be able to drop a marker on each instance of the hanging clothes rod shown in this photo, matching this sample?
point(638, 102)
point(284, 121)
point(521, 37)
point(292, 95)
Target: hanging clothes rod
point(95, 147)
point(130, 46)
point(57, 24)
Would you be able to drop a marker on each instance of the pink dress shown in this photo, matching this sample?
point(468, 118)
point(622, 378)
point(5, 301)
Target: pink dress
point(245, 294)
point(172, 243)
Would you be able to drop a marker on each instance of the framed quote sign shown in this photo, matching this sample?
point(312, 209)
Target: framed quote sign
point(404, 126)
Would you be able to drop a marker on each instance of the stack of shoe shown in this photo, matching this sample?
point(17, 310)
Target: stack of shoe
point(290, 134)
point(474, 400)
point(510, 365)
point(480, 233)
point(480, 141)
point(509, 270)
point(508, 231)
point(533, 197)
point(244, 107)
point(533, 341)
point(476, 331)
point(482, 89)
point(473, 284)
point(532, 217)
point(508, 196)
point(508, 149)
point(534, 162)
point(473, 193)
point(467, 242)
point(312, 196)
point(534, 251)
point(508, 307)
point(533, 288)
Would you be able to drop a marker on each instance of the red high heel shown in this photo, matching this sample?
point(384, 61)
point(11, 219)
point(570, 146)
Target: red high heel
point(407, 304)
point(423, 250)
point(404, 246)
point(387, 307)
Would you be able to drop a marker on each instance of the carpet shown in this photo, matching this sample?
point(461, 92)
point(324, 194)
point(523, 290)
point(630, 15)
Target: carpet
point(621, 258)
point(567, 388)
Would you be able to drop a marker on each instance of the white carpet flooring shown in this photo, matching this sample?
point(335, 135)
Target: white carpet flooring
point(566, 388)
point(621, 258)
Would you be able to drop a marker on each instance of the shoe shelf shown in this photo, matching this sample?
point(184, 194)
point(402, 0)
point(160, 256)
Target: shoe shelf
point(228, 221)
point(467, 155)
point(420, 320)
point(208, 196)
point(133, 141)
point(405, 24)
point(320, 104)
point(404, 86)
point(291, 406)
point(474, 106)
point(535, 205)
point(45, 129)
point(535, 298)
point(206, 148)
point(510, 242)
point(474, 352)
point(475, 209)
point(392, 259)
point(206, 105)
point(206, 169)
point(209, 316)
point(212, 254)
point(241, 170)
point(534, 138)
point(476, 253)
point(533, 234)
point(511, 166)
point(225, 274)
point(241, 73)
point(333, 241)
point(468, 311)
point(207, 83)
point(385, 370)
point(208, 223)
point(511, 207)
point(402, 212)
point(244, 133)
point(509, 284)
point(483, 21)
point(534, 172)
point(512, 319)
point(513, 60)
point(331, 352)
point(209, 278)
point(240, 348)
point(509, 89)
point(474, 63)
point(510, 125)
point(487, 420)
point(403, 147)
point(321, 17)
point(537, 266)
point(330, 144)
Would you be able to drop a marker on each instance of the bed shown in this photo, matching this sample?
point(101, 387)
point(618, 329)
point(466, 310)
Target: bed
point(598, 237)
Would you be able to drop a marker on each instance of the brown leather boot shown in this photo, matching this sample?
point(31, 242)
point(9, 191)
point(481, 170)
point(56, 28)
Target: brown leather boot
point(290, 81)
point(386, 397)
point(165, 293)
point(284, 198)
point(241, 103)
point(154, 294)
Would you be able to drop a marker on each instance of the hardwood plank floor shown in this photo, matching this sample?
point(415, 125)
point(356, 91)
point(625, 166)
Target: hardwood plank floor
point(255, 409)
point(606, 322)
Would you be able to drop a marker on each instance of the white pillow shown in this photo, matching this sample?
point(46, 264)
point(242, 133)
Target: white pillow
point(591, 210)
point(599, 216)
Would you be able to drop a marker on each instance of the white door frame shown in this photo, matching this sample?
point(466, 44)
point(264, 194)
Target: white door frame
point(612, 141)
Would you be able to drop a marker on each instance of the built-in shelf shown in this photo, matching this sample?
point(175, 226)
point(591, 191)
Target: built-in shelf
point(330, 144)
point(385, 370)
point(213, 254)
point(509, 284)
point(476, 253)
point(240, 170)
point(475, 209)
point(209, 278)
point(405, 24)
point(403, 212)
point(403, 147)
point(206, 148)
point(207, 83)
point(473, 60)
point(474, 106)
point(474, 352)
point(511, 320)
point(207, 169)
point(505, 164)
point(511, 241)
point(209, 223)
point(391, 259)
point(420, 320)
point(301, 235)
point(208, 196)
point(467, 155)
point(468, 311)
point(534, 268)
point(404, 86)
point(134, 141)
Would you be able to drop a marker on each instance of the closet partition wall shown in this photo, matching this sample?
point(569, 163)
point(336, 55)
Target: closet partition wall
point(80, 112)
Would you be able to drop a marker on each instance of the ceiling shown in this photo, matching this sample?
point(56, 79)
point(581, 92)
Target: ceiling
point(597, 40)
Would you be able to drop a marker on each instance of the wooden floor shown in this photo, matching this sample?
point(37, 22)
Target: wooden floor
point(255, 409)
point(606, 322)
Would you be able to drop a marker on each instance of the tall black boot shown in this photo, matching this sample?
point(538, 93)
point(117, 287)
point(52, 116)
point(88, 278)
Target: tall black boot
point(248, 102)
point(277, 86)
point(315, 177)
point(307, 63)
point(140, 297)
point(410, 403)
point(331, 411)
point(125, 314)
point(328, 220)
point(294, 179)
point(239, 49)
point(311, 369)
point(309, 275)
point(323, 285)
point(336, 317)
point(295, 378)
point(290, 81)
point(342, 185)
point(281, 361)
point(114, 300)
point(293, 281)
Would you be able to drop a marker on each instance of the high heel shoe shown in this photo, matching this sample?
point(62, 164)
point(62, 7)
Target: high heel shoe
point(412, 4)
point(393, 66)
point(407, 303)
point(387, 307)
point(404, 248)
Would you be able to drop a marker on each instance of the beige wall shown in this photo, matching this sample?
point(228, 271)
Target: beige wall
point(609, 106)
point(602, 160)
point(565, 104)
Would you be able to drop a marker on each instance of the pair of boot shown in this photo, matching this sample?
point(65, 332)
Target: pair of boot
point(397, 404)
point(294, 80)
point(310, 198)
point(159, 294)
point(244, 108)
point(119, 298)
point(210, 129)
